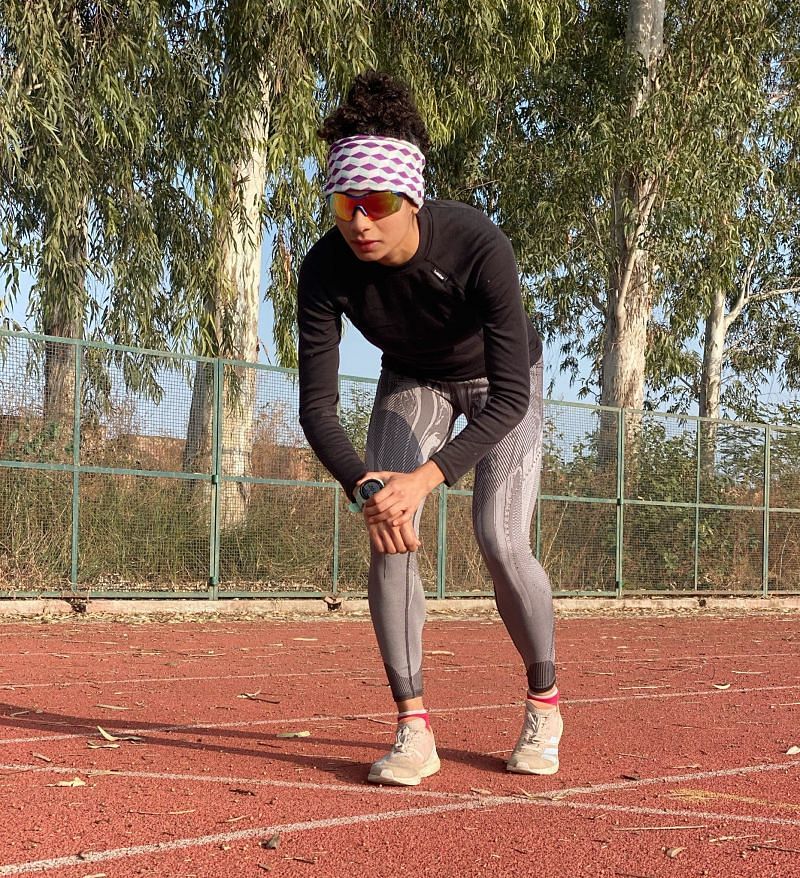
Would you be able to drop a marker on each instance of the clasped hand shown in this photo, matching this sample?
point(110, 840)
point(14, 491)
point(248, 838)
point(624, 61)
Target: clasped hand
point(389, 514)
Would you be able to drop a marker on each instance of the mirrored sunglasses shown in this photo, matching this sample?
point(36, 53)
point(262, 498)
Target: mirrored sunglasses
point(376, 205)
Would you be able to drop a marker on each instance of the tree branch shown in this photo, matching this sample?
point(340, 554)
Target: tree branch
point(633, 244)
point(743, 296)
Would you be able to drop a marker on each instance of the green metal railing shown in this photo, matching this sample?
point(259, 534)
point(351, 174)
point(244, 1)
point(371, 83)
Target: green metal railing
point(126, 472)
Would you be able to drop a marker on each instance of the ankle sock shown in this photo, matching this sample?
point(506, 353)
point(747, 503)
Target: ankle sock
point(539, 702)
point(421, 713)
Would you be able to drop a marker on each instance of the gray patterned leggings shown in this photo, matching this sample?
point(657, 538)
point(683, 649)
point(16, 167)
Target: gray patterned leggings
point(410, 422)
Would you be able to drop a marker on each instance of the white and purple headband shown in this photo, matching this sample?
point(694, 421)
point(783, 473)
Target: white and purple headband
point(378, 164)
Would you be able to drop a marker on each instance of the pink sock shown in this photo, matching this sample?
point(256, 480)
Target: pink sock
point(544, 702)
point(415, 714)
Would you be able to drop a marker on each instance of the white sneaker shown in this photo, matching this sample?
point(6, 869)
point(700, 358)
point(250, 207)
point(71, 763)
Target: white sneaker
point(412, 757)
point(537, 748)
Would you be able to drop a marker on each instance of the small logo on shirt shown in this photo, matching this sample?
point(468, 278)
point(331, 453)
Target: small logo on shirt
point(437, 272)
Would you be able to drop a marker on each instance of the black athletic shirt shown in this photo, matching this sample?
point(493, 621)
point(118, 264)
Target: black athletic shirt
point(453, 312)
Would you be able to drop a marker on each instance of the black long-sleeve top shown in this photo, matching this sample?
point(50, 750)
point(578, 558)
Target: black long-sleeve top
point(453, 312)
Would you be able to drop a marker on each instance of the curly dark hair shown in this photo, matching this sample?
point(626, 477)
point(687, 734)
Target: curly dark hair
point(377, 104)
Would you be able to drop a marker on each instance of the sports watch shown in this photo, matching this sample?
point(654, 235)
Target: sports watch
point(364, 491)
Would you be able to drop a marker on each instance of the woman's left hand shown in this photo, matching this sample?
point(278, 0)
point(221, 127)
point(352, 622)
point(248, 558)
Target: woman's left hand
point(402, 495)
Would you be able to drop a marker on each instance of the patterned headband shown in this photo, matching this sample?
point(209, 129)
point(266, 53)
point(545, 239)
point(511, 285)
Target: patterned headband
point(376, 163)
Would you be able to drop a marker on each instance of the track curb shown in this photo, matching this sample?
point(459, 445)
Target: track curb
point(335, 608)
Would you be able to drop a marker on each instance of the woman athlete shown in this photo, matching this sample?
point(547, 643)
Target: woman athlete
point(434, 285)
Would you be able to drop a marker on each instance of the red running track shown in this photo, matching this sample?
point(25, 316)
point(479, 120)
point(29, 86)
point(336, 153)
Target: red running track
point(674, 758)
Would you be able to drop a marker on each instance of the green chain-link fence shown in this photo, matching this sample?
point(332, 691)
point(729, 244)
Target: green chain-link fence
point(127, 473)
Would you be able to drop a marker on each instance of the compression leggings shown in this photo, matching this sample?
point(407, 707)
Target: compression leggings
point(410, 422)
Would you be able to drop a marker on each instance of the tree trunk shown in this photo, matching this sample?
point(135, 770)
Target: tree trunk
point(624, 345)
point(644, 35)
point(59, 368)
point(630, 295)
point(63, 295)
point(625, 333)
point(711, 378)
point(713, 356)
point(234, 314)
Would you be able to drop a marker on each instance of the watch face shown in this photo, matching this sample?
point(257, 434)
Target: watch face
point(370, 487)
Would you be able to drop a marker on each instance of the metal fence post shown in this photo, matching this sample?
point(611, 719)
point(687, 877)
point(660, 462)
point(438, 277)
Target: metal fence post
point(620, 497)
point(216, 478)
point(765, 549)
point(698, 446)
point(441, 543)
point(76, 461)
point(336, 534)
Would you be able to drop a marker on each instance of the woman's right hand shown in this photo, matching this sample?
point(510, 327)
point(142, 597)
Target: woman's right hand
point(390, 540)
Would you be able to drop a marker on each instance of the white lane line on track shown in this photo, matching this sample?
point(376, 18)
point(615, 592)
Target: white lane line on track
point(683, 812)
point(371, 672)
point(362, 789)
point(568, 702)
point(617, 659)
point(202, 679)
point(241, 835)
point(489, 802)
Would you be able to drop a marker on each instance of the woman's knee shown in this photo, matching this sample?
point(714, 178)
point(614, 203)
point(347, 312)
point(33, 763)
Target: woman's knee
point(504, 550)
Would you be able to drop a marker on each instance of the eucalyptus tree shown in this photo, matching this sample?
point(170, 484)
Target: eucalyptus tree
point(735, 279)
point(600, 163)
point(92, 204)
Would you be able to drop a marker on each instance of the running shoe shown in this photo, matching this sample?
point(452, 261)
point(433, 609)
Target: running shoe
point(537, 748)
point(412, 757)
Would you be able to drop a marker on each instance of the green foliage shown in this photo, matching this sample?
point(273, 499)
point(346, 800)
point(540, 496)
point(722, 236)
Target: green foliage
point(564, 137)
point(131, 125)
point(89, 204)
point(355, 416)
point(740, 244)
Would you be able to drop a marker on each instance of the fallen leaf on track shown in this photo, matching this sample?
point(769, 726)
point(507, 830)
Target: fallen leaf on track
point(439, 652)
point(256, 696)
point(93, 745)
point(721, 685)
point(41, 756)
point(481, 792)
point(106, 735)
point(672, 853)
point(109, 737)
point(793, 751)
point(769, 846)
point(271, 843)
point(75, 782)
point(112, 707)
point(306, 639)
point(303, 734)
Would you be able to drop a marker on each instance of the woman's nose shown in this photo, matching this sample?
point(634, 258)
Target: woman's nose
point(360, 219)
